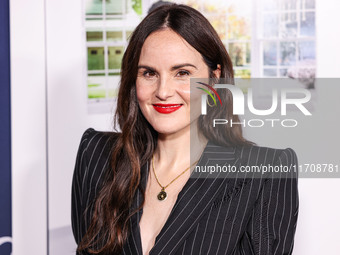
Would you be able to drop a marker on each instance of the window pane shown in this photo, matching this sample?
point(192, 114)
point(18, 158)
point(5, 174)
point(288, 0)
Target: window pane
point(269, 72)
point(137, 6)
point(289, 5)
point(269, 53)
point(240, 6)
point(112, 93)
point(307, 4)
point(114, 36)
point(270, 25)
point(239, 27)
point(95, 58)
point(240, 53)
point(219, 23)
point(94, 7)
point(112, 86)
point(114, 74)
point(115, 57)
point(114, 7)
point(242, 73)
point(288, 25)
point(128, 34)
point(94, 36)
point(292, 21)
point(96, 87)
point(287, 53)
point(215, 6)
point(270, 5)
point(283, 72)
point(307, 23)
point(306, 50)
point(192, 3)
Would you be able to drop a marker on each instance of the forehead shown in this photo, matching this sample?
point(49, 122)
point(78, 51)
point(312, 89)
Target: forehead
point(167, 45)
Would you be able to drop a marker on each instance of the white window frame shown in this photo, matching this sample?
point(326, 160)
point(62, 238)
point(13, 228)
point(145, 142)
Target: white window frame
point(256, 41)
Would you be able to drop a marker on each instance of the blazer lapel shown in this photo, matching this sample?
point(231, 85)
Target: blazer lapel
point(194, 200)
point(192, 203)
point(133, 245)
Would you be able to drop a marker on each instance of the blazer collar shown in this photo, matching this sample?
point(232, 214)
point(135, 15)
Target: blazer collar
point(192, 202)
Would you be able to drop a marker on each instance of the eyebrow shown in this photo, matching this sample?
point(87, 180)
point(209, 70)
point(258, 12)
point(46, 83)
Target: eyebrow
point(182, 65)
point(172, 68)
point(147, 67)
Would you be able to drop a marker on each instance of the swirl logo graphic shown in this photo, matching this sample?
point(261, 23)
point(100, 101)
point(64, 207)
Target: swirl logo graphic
point(208, 92)
point(5, 239)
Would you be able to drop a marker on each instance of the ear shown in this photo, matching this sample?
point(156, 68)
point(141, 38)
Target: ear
point(217, 72)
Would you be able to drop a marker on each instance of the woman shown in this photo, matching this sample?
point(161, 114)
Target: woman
point(131, 191)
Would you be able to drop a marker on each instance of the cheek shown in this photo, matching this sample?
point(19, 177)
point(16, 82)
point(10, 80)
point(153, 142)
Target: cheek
point(183, 90)
point(185, 94)
point(142, 92)
point(140, 96)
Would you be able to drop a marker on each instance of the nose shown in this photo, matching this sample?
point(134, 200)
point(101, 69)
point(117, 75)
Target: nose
point(165, 88)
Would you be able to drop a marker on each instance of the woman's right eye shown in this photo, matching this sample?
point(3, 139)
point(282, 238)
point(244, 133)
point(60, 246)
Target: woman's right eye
point(149, 74)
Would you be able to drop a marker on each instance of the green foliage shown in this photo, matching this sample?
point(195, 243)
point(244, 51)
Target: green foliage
point(242, 73)
point(93, 85)
point(137, 6)
point(100, 93)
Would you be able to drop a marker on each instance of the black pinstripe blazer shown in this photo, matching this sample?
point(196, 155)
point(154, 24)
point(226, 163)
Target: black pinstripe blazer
point(211, 215)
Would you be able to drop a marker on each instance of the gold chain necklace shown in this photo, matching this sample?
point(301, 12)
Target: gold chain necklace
point(162, 195)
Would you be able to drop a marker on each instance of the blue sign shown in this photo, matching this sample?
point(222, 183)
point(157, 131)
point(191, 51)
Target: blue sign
point(5, 133)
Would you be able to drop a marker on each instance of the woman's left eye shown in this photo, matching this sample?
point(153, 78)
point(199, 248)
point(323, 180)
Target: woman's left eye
point(183, 73)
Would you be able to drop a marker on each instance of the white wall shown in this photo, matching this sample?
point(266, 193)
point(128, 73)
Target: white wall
point(319, 223)
point(67, 102)
point(328, 38)
point(54, 81)
point(27, 34)
point(68, 114)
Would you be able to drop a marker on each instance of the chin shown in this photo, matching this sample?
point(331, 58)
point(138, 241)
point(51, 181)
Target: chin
point(165, 130)
point(169, 129)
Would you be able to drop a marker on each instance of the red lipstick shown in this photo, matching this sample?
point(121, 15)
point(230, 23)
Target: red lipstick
point(166, 108)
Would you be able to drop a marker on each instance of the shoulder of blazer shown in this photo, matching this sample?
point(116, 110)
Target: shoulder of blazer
point(92, 163)
point(95, 153)
point(265, 156)
point(255, 155)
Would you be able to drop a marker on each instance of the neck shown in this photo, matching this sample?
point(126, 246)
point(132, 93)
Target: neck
point(179, 150)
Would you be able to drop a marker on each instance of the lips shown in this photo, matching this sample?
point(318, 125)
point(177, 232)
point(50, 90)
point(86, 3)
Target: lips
point(166, 108)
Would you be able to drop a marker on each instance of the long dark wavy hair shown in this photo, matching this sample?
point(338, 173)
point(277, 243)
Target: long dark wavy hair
point(134, 146)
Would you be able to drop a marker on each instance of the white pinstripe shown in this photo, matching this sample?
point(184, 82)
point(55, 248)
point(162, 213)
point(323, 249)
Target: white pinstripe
point(259, 229)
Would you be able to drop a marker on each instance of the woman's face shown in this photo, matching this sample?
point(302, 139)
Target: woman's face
point(166, 64)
